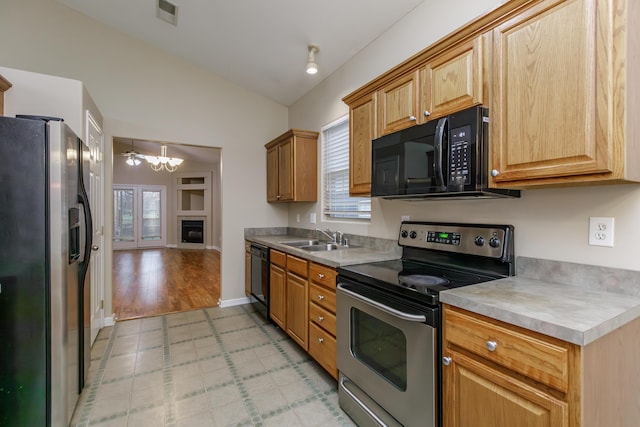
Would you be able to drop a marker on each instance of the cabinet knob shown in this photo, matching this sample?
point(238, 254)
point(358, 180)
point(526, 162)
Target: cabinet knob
point(495, 172)
point(278, 196)
point(446, 361)
point(426, 113)
point(492, 345)
point(320, 340)
point(320, 297)
point(320, 276)
point(320, 318)
point(412, 118)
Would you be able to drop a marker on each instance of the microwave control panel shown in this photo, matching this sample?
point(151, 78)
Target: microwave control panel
point(460, 156)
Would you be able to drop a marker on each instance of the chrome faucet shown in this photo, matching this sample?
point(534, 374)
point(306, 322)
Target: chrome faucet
point(333, 235)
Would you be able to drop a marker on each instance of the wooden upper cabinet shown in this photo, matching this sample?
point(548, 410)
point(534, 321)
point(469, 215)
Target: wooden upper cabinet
point(398, 103)
point(4, 86)
point(560, 95)
point(362, 130)
point(292, 167)
point(452, 81)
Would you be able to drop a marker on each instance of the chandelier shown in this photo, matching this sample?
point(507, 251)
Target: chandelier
point(158, 163)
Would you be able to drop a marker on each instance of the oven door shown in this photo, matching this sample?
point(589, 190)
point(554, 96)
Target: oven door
point(386, 351)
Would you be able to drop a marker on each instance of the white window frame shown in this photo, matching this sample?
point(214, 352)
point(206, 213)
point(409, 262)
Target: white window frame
point(330, 212)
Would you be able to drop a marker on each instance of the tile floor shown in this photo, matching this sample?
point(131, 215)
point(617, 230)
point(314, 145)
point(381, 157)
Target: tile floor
point(209, 367)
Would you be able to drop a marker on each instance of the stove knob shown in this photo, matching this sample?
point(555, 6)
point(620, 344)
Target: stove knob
point(413, 234)
point(479, 241)
point(494, 242)
point(404, 233)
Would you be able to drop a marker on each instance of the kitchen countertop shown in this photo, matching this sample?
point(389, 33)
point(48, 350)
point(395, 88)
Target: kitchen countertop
point(334, 258)
point(567, 312)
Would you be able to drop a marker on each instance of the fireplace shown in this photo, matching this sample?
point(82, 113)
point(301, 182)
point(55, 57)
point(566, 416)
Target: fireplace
point(192, 231)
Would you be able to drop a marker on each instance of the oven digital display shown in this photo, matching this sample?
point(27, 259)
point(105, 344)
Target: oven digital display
point(443, 237)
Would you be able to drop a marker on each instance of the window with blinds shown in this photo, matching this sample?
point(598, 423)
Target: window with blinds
point(336, 202)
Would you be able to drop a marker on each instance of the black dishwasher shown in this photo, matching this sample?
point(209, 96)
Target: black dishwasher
point(260, 278)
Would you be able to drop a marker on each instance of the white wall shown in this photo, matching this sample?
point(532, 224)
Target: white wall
point(550, 224)
point(144, 93)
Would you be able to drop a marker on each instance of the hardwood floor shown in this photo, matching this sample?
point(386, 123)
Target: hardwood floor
point(148, 282)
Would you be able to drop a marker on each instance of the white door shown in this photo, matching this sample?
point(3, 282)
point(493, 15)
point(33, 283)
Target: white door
point(95, 140)
point(139, 216)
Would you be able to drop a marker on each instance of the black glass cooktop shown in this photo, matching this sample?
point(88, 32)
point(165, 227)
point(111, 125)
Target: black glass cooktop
point(416, 280)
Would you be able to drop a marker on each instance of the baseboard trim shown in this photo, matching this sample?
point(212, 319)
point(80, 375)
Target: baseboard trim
point(172, 246)
point(231, 302)
point(109, 321)
point(215, 248)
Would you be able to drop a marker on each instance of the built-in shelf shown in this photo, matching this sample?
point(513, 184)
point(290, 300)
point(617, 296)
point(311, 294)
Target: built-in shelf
point(194, 193)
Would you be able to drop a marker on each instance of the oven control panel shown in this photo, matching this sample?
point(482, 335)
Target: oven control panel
point(494, 241)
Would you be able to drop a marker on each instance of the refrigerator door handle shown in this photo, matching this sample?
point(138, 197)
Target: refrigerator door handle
point(83, 199)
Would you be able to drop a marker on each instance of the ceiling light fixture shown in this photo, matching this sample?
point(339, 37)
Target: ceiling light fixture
point(312, 66)
point(158, 163)
point(132, 160)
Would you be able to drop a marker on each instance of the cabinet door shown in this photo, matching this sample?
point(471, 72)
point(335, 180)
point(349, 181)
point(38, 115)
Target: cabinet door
point(552, 93)
point(398, 104)
point(476, 395)
point(285, 170)
point(272, 174)
point(362, 130)
point(452, 81)
point(297, 309)
point(277, 302)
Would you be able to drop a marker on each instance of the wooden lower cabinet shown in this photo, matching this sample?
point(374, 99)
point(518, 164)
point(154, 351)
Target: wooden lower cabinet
point(479, 396)
point(497, 374)
point(322, 347)
point(277, 292)
point(322, 316)
point(303, 304)
point(297, 314)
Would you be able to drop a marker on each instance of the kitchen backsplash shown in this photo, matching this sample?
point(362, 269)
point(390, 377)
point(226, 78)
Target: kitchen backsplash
point(586, 276)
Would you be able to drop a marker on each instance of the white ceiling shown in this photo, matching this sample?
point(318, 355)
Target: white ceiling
point(257, 44)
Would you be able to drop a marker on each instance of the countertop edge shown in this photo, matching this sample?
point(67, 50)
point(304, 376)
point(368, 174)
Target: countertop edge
point(515, 317)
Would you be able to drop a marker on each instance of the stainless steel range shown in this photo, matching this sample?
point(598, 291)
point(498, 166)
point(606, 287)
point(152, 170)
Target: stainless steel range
point(388, 319)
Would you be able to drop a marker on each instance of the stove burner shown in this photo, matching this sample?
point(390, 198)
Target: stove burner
point(419, 281)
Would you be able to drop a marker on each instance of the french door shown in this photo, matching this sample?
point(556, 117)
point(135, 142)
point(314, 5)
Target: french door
point(139, 216)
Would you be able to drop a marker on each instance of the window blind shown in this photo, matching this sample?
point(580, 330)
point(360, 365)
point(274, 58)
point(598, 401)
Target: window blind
point(336, 202)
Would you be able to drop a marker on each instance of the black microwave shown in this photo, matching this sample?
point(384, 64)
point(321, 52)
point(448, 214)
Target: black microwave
point(445, 157)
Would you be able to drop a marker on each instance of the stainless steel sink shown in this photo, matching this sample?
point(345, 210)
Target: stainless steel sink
point(320, 247)
point(299, 243)
point(315, 245)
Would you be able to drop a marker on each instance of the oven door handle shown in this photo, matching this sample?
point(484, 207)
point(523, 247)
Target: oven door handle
point(392, 311)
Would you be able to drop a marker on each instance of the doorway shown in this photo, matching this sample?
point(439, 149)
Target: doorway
point(155, 270)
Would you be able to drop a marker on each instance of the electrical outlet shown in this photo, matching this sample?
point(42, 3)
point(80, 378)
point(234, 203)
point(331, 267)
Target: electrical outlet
point(312, 218)
point(405, 218)
point(297, 217)
point(601, 231)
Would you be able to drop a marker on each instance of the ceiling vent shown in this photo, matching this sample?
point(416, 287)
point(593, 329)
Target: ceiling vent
point(167, 11)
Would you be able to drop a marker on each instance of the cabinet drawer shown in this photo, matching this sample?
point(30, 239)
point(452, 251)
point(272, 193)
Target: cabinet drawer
point(322, 318)
point(534, 356)
point(322, 347)
point(278, 258)
point(322, 296)
point(297, 266)
point(322, 275)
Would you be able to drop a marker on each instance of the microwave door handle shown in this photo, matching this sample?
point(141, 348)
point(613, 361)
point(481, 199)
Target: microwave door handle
point(439, 142)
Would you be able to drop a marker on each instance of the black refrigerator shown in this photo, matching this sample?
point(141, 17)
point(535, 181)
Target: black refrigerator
point(45, 245)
